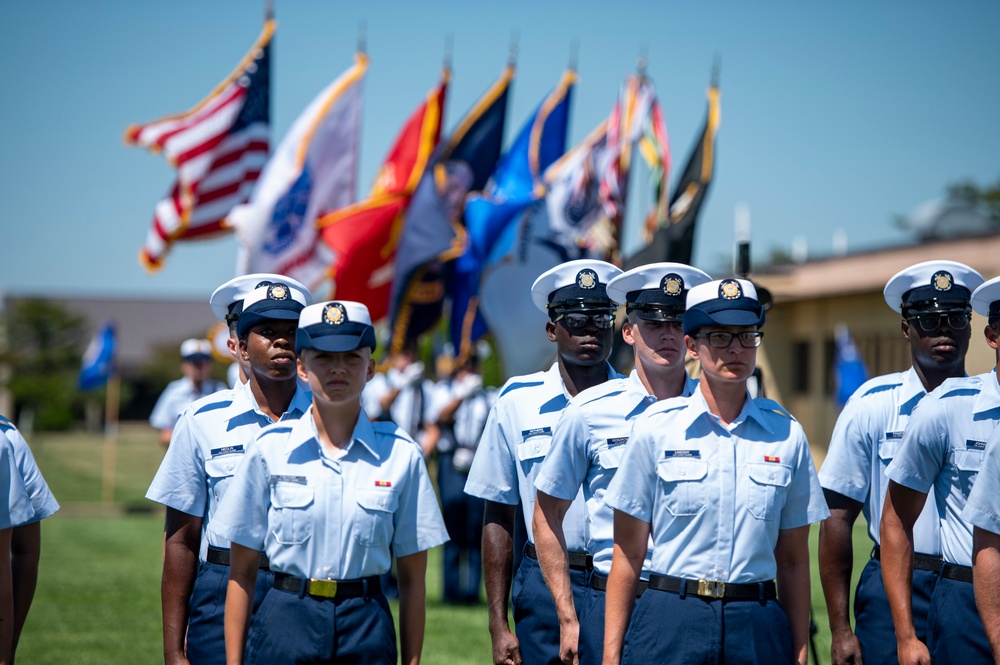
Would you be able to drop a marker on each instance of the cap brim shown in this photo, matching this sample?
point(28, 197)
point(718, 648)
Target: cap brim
point(334, 342)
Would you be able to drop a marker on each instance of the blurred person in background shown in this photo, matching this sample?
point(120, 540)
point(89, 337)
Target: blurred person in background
point(197, 382)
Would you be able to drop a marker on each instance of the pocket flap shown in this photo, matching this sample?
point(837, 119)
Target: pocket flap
point(534, 448)
point(968, 460)
point(675, 469)
point(382, 499)
point(223, 466)
point(770, 473)
point(291, 496)
point(887, 449)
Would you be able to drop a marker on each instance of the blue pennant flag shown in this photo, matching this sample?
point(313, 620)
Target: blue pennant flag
point(849, 369)
point(515, 184)
point(98, 359)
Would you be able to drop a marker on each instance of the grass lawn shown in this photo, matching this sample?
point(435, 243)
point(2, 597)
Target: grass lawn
point(98, 597)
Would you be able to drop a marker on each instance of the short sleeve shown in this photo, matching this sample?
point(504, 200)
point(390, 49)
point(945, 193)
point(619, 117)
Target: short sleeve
point(164, 415)
point(493, 475)
point(983, 506)
point(15, 505)
point(242, 513)
point(417, 524)
point(564, 468)
point(633, 489)
point(805, 503)
point(43, 502)
point(848, 465)
point(924, 449)
point(180, 482)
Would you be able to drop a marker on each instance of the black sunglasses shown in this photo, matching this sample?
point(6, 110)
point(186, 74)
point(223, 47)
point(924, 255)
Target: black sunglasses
point(933, 321)
point(578, 320)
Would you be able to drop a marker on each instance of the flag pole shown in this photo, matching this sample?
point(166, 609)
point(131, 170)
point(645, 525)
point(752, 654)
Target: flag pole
point(362, 37)
point(110, 457)
point(268, 10)
point(515, 37)
point(449, 51)
point(574, 55)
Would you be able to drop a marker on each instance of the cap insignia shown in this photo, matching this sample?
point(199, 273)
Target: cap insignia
point(672, 284)
point(586, 279)
point(265, 282)
point(730, 289)
point(942, 280)
point(334, 314)
point(278, 292)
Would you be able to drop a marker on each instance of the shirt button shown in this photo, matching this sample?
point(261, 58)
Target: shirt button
point(684, 473)
point(770, 477)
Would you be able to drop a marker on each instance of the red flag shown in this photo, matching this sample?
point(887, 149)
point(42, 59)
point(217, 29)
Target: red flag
point(364, 235)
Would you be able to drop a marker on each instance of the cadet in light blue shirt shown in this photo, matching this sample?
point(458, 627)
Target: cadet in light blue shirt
point(517, 438)
point(196, 363)
point(725, 485)
point(27, 501)
point(208, 444)
point(330, 499)
point(931, 297)
point(942, 449)
point(592, 434)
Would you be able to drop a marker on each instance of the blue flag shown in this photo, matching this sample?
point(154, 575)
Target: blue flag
point(849, 369)
point(98, 359)
point(515, 184)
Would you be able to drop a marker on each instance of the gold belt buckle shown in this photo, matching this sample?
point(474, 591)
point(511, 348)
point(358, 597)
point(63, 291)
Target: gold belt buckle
point(711, 588)
point(323, 588)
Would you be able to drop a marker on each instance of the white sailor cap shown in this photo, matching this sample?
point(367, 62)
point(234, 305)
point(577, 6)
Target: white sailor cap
point(580, 285)
point(227, 300)
point(657, 291)
point(932, 286)
point(723, 302)
point(335, 325)
point(986, 299)
point(196, 349)
point(276, 300)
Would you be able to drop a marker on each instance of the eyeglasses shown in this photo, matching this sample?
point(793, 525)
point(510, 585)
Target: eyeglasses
point(933, 321)
point(722, 340)
point(578, 320)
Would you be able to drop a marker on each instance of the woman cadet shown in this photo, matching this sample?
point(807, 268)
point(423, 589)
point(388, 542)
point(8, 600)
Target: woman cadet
point(330, 498)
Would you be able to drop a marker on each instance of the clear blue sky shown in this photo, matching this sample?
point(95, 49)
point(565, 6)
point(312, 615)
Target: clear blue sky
point(834, 115)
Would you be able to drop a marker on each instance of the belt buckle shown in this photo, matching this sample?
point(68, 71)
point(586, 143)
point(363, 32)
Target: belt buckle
point(323, 588)
point(711, 588)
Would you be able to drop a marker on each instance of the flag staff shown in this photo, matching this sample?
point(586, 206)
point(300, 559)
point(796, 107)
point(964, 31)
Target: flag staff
point(574, 55)
point(449, 51)
point(362, 37)
point(512, 53)
point(716, 70)
point(268, 10)
point(110, 452)
point(641, 62)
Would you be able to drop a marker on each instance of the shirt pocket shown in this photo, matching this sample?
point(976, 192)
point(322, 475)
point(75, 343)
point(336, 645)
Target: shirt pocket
point(373, 516)
point(887, 450)
point(682, 480)
point(611, 458)
point(292, 503)
point(219, 471)
point(967, 465)
point(767, 489)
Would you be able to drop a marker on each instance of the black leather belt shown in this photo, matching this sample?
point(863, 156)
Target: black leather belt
point(953, 571)
point(920, 561)
point(366, 586)
point(220, 556)
point(577, 560)
point(714, 588)
point(600, 582)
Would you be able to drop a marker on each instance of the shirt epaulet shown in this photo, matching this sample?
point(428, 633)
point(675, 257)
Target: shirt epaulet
point(6, 425)
point(213, 406)
point(771, 406)
point(520, 384)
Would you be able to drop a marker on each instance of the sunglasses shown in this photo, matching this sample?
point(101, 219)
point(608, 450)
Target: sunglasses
point(722, 340)
point(578, 320)
point(933, 321)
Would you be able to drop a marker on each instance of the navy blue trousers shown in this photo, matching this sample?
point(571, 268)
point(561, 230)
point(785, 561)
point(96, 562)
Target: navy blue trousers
point(463, 517)
point(536, 623)
point(591, 615)
point(666, 628)
point(289, 630)
point(873, 619)
point(206, 640)
point(955, 631)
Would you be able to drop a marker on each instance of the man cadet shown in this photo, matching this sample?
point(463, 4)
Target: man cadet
point(726, 487)
point(21, 547)
point(196, 364)
point(942, 449)
point(866, 438)
point(207, 445)
point(517, 437)
point(591, 434)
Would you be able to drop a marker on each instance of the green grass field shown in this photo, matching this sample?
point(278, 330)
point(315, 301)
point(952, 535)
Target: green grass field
point(99, 585)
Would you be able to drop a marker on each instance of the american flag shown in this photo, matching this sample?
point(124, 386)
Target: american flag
point(218, 148)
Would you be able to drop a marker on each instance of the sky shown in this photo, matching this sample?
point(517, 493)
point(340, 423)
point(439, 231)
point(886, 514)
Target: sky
point(836, 117)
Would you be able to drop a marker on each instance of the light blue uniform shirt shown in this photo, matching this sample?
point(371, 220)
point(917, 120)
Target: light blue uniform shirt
point(983, 507)
point(943, 449)
point(587, 448)
point(517, 438)
point(868, 433)
point(177, 396)
point(43, 503)
point(208, 444)
point(326, 517)
point(15, 504)
point(411, 408)
point(717, 496)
